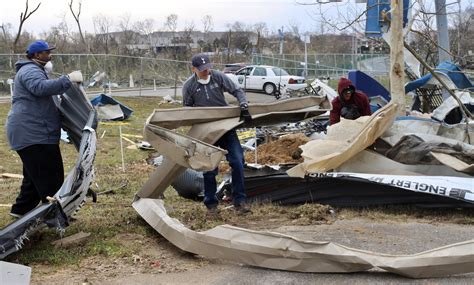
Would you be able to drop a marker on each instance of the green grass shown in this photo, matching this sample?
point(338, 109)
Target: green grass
point(111, 215)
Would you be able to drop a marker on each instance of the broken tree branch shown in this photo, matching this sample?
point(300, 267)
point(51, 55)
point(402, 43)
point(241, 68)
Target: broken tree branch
point(76, 18)
point(23, 17)
point(432, 41)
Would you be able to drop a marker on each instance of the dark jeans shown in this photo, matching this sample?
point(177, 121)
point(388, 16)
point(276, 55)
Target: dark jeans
point(43, 175)
point(235, 156)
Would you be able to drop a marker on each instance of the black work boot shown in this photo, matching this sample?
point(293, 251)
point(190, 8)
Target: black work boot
point(213, 212)
point(243, 208)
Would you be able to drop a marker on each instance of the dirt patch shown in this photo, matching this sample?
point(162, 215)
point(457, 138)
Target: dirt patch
point(151, 256)
point(263, 217)
point(282, 151)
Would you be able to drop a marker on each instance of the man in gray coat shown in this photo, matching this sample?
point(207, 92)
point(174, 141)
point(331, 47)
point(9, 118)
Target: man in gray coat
point(206, 88)
point(34, 126)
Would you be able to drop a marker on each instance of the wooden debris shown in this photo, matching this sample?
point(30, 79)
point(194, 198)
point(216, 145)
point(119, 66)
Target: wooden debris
point(73, 240)
point(11, 175)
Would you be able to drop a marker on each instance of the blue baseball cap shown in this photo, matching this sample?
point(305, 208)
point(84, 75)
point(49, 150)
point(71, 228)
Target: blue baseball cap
point(38, 46)
point(201, 62)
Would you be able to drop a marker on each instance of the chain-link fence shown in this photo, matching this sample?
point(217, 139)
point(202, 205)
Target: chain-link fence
point(119, 71)
point(145, 72)
point(327, 65)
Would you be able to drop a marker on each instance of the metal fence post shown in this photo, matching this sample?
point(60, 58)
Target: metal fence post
point(141, 76)
point(176, 83)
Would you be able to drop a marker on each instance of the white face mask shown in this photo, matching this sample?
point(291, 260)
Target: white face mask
point(205, 81)
point(48, 67)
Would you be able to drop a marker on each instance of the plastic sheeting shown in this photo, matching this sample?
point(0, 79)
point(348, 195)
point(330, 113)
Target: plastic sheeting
point(451, 74)
point(110, 109)
point(80, 121)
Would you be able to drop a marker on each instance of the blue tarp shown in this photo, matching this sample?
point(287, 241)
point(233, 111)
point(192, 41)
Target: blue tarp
point(371, 87)
point(374, 16)
point(451, 70)
point(103, 99)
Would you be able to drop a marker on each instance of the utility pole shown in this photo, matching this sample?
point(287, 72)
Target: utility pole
point(459, 27)
point(397, 64)
point(442, 26)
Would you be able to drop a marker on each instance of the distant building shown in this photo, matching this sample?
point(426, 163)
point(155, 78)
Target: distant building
point(165, 41)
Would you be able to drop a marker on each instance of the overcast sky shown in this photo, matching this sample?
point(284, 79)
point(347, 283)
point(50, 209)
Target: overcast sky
point(275, 13)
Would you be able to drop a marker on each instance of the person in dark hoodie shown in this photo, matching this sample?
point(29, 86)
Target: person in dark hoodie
point(350, 104)
point(34, 127)
point(206, 88)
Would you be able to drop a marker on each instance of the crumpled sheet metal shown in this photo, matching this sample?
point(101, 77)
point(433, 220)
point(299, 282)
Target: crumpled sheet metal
point(446, 159)
point(344, 140)
point(421, 126)
point(184, 150)
point(450, 104)
point(454, 163)
point(283, 252)
point(80, 120)
point(460, 188)
point(210, 123)
point(174, 118)
point(374, 163)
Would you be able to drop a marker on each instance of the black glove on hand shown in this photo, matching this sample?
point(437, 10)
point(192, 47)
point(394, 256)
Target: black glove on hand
point(244, 113)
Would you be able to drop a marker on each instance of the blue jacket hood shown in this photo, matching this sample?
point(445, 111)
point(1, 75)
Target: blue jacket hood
point(22, 62)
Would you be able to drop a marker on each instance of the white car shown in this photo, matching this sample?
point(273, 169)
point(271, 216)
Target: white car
point(266, 78)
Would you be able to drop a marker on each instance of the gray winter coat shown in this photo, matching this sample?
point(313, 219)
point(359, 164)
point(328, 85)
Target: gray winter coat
point(34, 118)
point(196, 94)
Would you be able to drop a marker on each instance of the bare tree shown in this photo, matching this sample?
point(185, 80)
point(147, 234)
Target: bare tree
point(103, 27)
point(189, 29)
point(207, 23)
point(171, 23)
point(146, 28)
point(60, 35)
point(76, 16)
point(6, 36)
point(262, 30)
point(23, 17)
point(127, 33)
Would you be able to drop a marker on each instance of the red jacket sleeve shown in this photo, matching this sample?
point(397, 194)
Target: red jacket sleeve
point(335, 113)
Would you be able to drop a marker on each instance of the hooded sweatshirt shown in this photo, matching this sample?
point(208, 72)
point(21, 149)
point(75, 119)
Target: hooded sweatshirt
point(34, 117)
point(358, 98)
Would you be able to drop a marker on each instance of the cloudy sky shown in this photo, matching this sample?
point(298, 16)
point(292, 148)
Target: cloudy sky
point(275, 13)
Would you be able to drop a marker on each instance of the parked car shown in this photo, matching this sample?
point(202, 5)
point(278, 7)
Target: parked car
point(233, 67)
point(266, 78)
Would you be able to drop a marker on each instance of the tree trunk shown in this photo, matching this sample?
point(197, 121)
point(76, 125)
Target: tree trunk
point(397, 65)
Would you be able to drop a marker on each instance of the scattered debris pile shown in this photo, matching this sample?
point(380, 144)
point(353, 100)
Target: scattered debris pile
point(285, 150)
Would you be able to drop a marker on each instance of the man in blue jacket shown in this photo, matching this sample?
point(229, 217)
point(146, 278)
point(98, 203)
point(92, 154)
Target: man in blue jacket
point(206, 88)
point(34, 126)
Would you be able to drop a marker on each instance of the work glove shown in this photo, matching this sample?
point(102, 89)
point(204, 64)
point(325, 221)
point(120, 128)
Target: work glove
point(75, 76)
point(244, 113)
